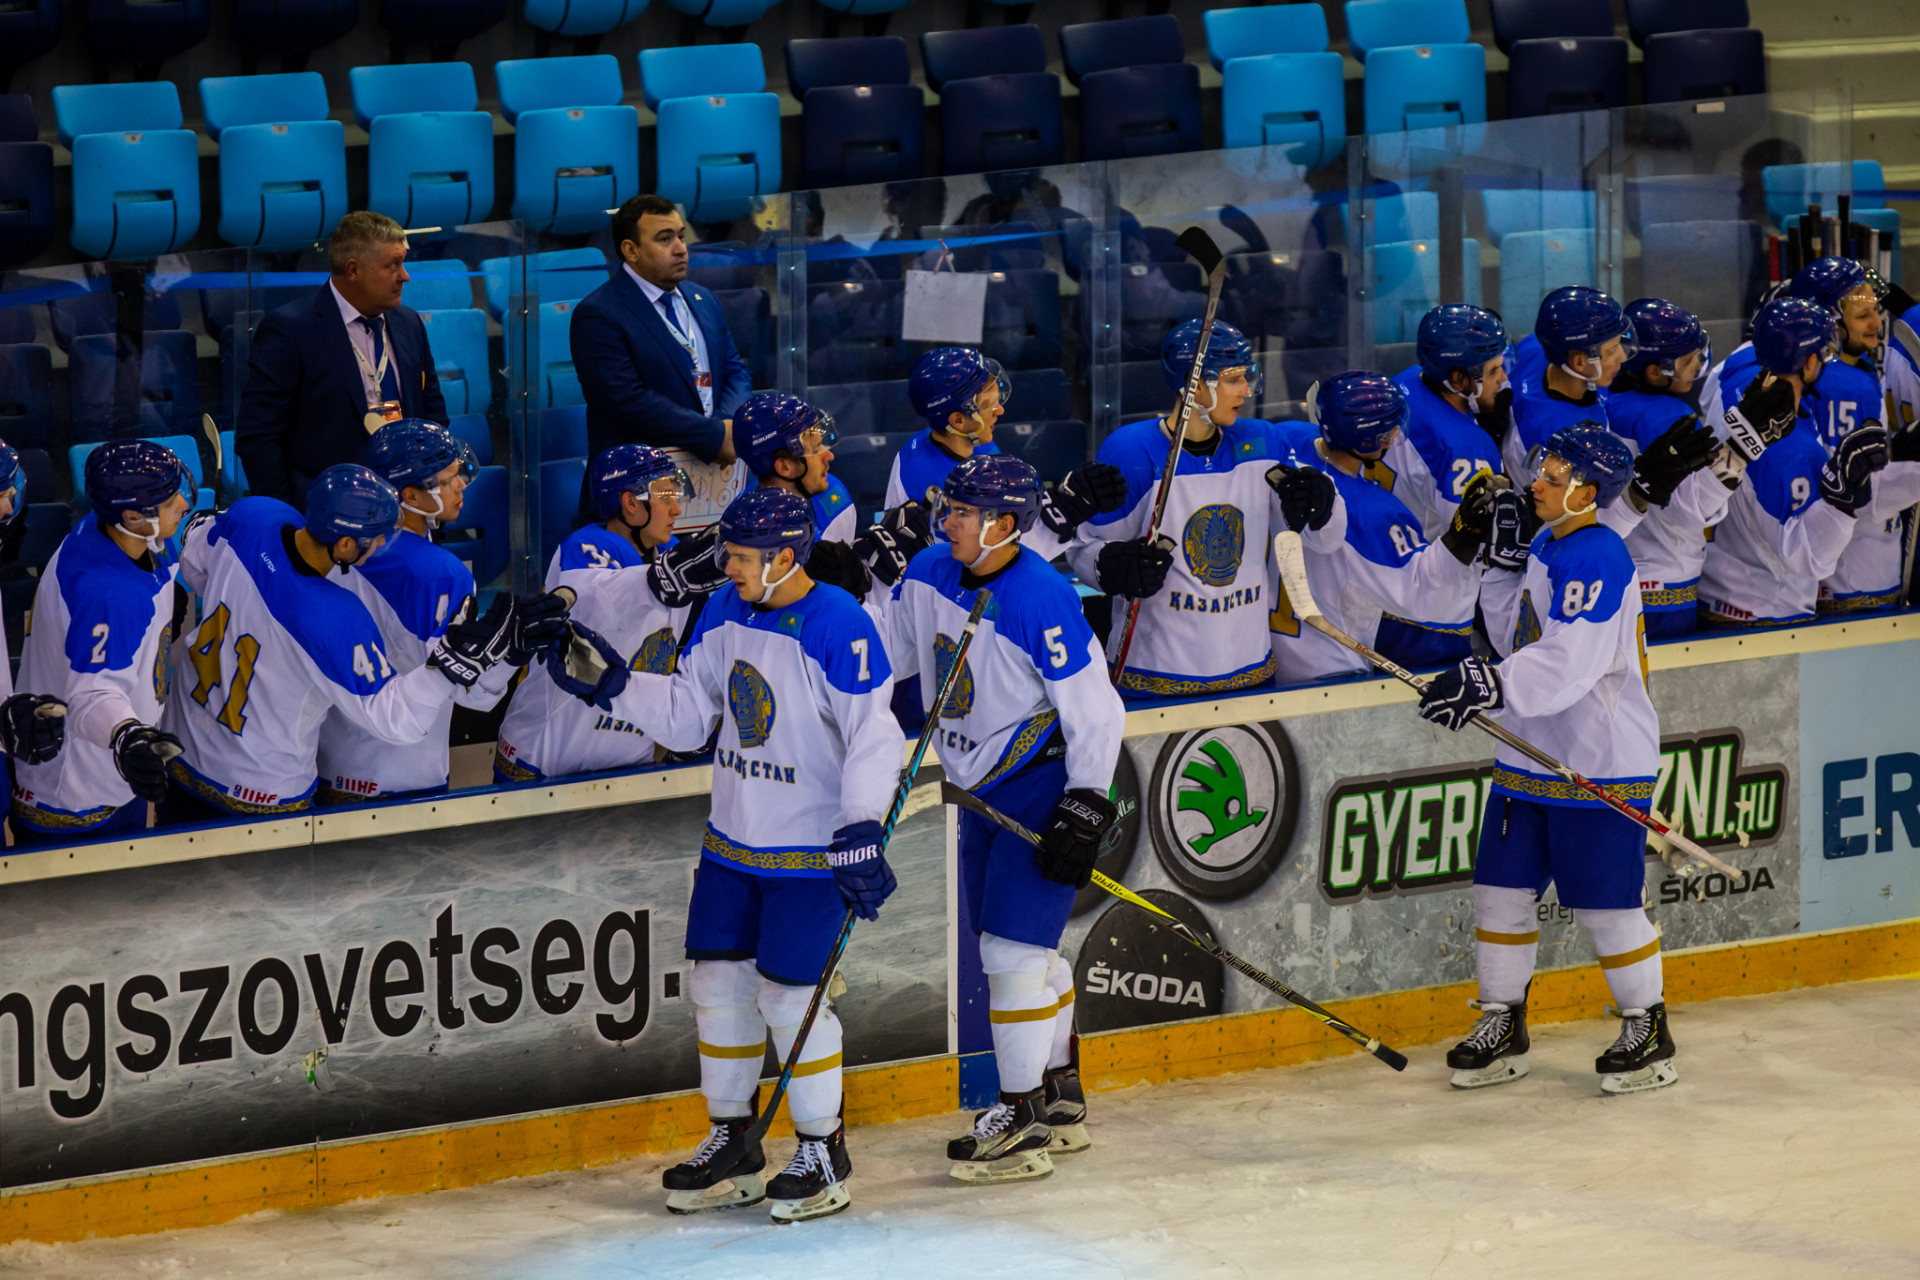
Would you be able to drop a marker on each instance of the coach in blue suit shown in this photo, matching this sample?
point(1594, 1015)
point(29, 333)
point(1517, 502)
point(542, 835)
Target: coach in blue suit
point(320, 365)
point(655, 360)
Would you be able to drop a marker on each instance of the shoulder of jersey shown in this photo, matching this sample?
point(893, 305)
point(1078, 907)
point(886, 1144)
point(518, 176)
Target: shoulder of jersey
point(830, 623)
point(831, 501)
point(577, 550)
point(1372, 515)
point(1593, 552)
point(930, 565)
point(1141, 442)
point(414, 576)
point(1250, 438)
point(1032, 583)
point(252, 515)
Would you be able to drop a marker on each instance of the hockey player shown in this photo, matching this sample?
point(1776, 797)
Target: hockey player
point(1788, 523)
point(1586, 339)
point(102, 617)
point(280, 643)
point(1572, 680)
point(1459, 407)
point(1377, 576)
point(795, 675)
point(1033, 727)
point(1202, 626)
point(635, 585)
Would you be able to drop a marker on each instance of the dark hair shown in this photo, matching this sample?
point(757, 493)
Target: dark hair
point(626, 219)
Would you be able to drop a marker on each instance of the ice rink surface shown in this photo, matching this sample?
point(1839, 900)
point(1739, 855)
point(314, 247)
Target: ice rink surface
point(1787, 1149)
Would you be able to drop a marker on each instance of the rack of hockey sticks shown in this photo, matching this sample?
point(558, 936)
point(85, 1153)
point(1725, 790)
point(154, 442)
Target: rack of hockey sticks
point(952, 794)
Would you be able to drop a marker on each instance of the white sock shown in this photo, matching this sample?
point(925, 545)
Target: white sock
point(1629, 948)
point(1506, 936)
point(813, 1096)
point(1021, 1008)
point(732, 1035)
point(1060, 982)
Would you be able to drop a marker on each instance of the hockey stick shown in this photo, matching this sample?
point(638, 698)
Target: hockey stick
point(1290, 555)
point(953, 794)
point(1201, 248)
point(907, 775)
point(1909, 341)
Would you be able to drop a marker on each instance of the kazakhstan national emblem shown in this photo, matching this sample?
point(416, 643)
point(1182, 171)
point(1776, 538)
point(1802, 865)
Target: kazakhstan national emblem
point(750, 701)
point(655, 654)
point(1526, 627)
point(960, 701)
point(1215, 540)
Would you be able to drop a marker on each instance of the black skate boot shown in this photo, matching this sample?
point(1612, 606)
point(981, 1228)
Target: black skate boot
point(814, 1183)
point(1008, 1143)
point(1642, 1058)
point(1066, 1110)
point(1495, 1051)
point(725, 1173)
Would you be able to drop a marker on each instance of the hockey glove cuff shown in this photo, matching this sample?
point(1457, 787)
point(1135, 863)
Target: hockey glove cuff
point(1676, 453)
point(1306, 495)
point(1512, 524)
point(1763, 416)
point(1135, 569)
point(1846, 482)
point(860, 870)
point(1093, 489)
point(686, 569)
point(141, 753)
point(1456, 696)
point(1075, 832)
point(539, 623)
point(888, 545)
point(587, 667)
point(471, 645)
point(1473, 519)
point(32, 727)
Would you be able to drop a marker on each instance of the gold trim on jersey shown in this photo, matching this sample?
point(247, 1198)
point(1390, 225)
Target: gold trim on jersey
point(1032, 735)
point(1858, 603)
point(57, 820)
point(1165, 687)
point(1438, 628)
point(763, 859)
point(187, 780)
point(1668, 597)
point(1561, 789)
point(513, 770)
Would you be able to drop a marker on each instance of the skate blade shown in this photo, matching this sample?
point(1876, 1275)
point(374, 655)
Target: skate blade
point(834, 1199)
point(1069, 1139)
point(1655, 1075)
point(735, 1193)
point(1022, 1166)
point(1499, 1071)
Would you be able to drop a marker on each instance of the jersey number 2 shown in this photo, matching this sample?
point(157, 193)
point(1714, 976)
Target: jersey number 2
point(204, 653)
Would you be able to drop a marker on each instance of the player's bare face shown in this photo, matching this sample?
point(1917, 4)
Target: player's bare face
point(1613, 354)
point(962, 527)
point(1860, 321)
point(749, 570)
point(987, 411)
point(453, 490)
point(658, 252)
point(1225, 397)
point(1551, 490)
point(663, 509)
point(1686, 370)
point(1493, 379)
point(172, 512)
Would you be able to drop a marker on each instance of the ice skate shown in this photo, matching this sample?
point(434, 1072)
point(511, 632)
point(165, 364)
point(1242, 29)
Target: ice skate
point(1495, 1051)
point(725, 1173)
point(1008, 1143)
point(1066, 1111)
point(1642, 1058)
point(814, 1183)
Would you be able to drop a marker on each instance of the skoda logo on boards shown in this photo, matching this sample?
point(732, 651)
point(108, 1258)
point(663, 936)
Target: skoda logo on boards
point(1222, 807)
point(1132, 971)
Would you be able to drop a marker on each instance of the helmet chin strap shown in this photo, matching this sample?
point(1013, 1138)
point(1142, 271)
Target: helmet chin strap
point(768, 588)
point(1571, 373)
point(1570, 513)
point(1473, 397)
point(988, 548)
point(153, 540)
point(431, 517)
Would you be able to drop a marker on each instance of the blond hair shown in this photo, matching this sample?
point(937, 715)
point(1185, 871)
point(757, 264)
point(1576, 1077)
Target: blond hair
point(358, 235)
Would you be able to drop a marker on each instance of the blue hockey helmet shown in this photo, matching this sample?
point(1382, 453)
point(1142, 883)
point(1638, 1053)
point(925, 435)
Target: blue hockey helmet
point(13, 478)
point(1578, 318)
point(1597, 457)
point(350, 501)
point(631, 468)
point(949, 380)
point(1227, 348)
point(769, 423)
point(1357, 411)
point(1788, 330)
point(1664, 333)
point(768, 519)
point(1458, 336)
point(1827, 281)
point(414, 451)
point(995, 484)
point(134, 475)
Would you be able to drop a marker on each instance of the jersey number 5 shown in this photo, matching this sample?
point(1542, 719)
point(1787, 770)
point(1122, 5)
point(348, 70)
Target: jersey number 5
point(204, 653)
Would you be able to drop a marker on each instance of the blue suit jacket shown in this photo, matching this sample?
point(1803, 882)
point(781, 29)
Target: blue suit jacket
point(304, 406)
point(637, 378)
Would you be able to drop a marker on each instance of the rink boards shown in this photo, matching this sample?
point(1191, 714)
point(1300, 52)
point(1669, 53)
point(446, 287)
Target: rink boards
point(497, 983)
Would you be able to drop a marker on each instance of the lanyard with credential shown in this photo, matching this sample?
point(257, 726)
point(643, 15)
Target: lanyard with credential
point(376, 375)
point(702, 380)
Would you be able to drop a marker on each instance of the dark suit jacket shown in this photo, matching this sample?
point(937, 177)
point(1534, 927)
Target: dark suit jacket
point(304, 405)
point(637, 378)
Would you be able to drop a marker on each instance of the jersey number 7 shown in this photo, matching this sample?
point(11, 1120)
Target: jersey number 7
point(204, 653)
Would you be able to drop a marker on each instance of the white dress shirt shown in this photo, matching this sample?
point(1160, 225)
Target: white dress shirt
point(362, 339)
point(688, 328)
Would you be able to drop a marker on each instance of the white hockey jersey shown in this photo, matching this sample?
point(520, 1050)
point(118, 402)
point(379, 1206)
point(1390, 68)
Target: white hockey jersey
point(1573, 669)
point(1034, 669)
point(548, 732)
point(276, 648)
point(97, 640)
point(412, 590)
point(808, 742)
point(1205, 632)
point(1869, 575)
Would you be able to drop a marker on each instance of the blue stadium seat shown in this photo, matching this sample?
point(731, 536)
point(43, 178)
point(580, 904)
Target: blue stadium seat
point(96, 311)
point(582, 17)
point(848, 60)
point(26, 394)
point(292, 28)
point(981, 51)
point(145, 33)
point(864, 409)
point(438, 284)
point(459, 343)
point(722, 264)
point(749, 314)
point(1021, 328)
point(728, 15)
point(996, 122)
point(18, 123)
point(38, 467)
point(704, 94)
point(1087, 47)
point(17, 324)
point(283, 163)
point(1052, 448)
point(1380, 24)
point(1517, 20)
point(862, 462)
point(1791, 188)
point(429, 151)
point(136, 172)
point(440, 24)
point(862, 119)
point(471, 430)
point(1654, 17)
point(27, 30)
point(1551, 76)
point(558, 275)
point(1684, 197)
point(1535, 263)
point(1292, 100)
point(1702, 266)
point(576, 153)
point(1406, 215)
point(169, 387)
point(484, 513)
point(26, 180)
point(1718, 63)
point(560, 482)
point(871, 8)
point(1535, 209)
point(1424, 86)
point(853, 331)
point(1261, 30)
point(233, 474)
point(1406, 281)
point(1137, 95)
point(563, 433)
point(557, 385)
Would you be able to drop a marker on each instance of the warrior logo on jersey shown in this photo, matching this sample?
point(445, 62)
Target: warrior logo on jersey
point(1215, 539)
point(960, 700)
point(1526, 627)
point(750, 700)
point(1222, 807)
point(655, 654)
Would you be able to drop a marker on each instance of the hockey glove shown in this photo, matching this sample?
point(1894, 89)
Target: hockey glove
point(587, 667)
point(1763, 416)
point(1473, 518)
point(471, 645)
point(1513, 523)
point(1454, 697)
point(32, 727)
point(1071, 843)
point(1136, 569)
point(141, 753)
point(13, 532)
point(686, 569)
point(1095, 488)
point(838, 565)
point(1306, 495)
point(1846, 481)
point(888, 545)
point(539, 623)
point(860, 870)
point(1671, 457)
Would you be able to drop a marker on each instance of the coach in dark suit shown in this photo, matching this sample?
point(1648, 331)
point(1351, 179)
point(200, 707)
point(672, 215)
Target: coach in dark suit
point(321, 367)
point(655, 360)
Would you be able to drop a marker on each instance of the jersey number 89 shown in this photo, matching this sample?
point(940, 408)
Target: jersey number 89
point(1580, 597)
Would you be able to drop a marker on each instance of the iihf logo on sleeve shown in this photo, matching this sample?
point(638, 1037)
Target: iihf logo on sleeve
point(960, 700)
point(750, 701)
point(1214, 542)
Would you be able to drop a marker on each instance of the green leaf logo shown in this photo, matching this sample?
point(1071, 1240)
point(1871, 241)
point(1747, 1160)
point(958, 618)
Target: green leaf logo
point(1219, 795)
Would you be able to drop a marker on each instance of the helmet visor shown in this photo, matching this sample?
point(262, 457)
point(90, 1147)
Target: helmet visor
point(676, 487)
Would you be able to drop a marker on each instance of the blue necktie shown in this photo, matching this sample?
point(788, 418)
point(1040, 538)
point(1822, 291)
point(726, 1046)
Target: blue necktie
point(666, 305)
point(390, 381)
